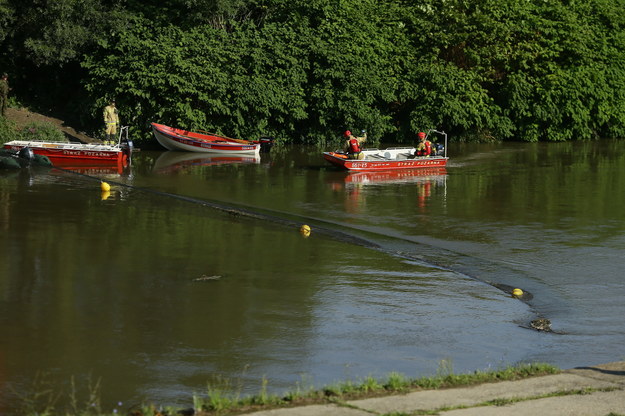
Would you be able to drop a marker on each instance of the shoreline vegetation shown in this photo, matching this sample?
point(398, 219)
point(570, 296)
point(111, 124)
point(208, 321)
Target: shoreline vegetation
point(26, 125)
point(303, 72)
point(21, 123)
point(222, 399)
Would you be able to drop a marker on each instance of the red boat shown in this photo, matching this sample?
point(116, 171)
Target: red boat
point(178, 139)
point(75, 154)
point(79, 154)
point(392, 158)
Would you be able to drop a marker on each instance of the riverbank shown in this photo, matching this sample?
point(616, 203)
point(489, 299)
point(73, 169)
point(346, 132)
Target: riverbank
point(591, 391)
point(23, 117)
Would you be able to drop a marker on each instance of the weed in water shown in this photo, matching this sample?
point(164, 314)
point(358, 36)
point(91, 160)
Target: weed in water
point(40, 397)
point(305, 388)
point(263, 397)
point(445, 367)
point(91, 404)
point(44, 395)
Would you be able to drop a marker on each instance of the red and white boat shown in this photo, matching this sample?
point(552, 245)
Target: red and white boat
point(79, 154)
point(392, 158)
point(178, 139)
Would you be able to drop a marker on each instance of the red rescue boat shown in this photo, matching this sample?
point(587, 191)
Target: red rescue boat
point(392, 158)
point(79, 154)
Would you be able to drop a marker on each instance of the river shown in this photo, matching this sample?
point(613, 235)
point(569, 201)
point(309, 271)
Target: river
point(194, 273)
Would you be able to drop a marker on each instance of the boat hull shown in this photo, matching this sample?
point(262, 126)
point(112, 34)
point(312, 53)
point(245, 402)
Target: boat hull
point(353, 165)
point(75, 154)
point(177, 139)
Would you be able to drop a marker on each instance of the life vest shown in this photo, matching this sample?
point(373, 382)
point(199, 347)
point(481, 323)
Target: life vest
point(428, 148)
point(425, 148)
point(353, 146)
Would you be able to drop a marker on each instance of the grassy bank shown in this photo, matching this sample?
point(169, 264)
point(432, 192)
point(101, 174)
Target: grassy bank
point(222, 399)
point(32, 130)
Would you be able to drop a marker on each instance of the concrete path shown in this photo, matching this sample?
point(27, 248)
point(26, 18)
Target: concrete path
point(588, 391)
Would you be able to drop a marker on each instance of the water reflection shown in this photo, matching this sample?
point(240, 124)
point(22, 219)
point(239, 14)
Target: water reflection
point(98, 170)
point(170, 162)
point(353, 185)
point(398, 176)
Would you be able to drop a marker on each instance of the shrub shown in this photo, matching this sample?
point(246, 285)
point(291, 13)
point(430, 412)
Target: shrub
point(46, 132)
point(8, 131)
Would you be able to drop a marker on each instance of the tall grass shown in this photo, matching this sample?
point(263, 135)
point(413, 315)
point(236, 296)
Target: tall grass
point(219, 401)
point(223, 396)
point(44, 397)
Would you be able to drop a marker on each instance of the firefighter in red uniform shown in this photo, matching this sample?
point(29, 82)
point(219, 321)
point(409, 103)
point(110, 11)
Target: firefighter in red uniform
point(424, 148)
point(353, 144)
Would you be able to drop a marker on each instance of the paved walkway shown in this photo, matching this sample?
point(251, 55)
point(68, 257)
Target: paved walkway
point(603, 387)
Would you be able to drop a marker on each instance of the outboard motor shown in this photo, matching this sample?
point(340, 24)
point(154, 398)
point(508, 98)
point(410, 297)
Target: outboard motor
point(265, 144)
point(439, 149)
point(26, 154)
point(127, 144)
point(127, 148)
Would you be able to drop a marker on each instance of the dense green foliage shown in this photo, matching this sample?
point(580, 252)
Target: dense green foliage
point(303, 71)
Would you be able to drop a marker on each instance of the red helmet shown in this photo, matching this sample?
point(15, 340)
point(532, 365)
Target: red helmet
point(347, 133)
point(421, 135)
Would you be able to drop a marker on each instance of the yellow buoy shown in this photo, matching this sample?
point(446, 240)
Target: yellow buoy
point(105, 186)
point(305, 230)
point(517, 292)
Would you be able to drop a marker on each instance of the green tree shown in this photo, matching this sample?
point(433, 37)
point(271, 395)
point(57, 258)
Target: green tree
point(305, 70)
point(553, 69)
point(238, 83)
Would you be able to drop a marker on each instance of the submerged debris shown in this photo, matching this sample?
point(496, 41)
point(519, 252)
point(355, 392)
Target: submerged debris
point(205, 278)
point(541, 324)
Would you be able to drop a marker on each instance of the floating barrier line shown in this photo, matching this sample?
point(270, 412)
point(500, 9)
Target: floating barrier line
point(332, 233)
point(337, 235)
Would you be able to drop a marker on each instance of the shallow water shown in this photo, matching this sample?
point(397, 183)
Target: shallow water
point(398, 275)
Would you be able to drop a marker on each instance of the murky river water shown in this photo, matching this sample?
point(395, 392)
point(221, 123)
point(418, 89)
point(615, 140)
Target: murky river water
point(168, 284)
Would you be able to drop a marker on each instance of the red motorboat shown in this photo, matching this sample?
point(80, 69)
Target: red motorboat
point(79, 154)
point(178, 139)
point(392, 158)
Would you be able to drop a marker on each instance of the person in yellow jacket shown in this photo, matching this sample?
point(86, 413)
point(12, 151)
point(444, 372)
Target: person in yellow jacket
point(111, 121)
